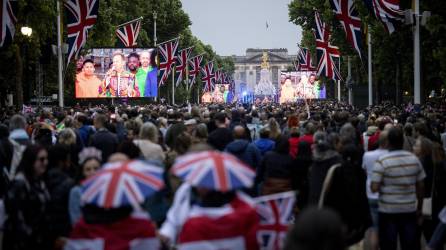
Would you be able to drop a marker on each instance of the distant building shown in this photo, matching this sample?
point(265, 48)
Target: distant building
point(247, 67)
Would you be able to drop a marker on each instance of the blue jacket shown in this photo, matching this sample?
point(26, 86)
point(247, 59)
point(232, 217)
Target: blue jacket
point(265, 145)
point(245, 151)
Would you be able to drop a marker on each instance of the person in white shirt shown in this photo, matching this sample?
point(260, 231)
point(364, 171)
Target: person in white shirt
point(368, 161)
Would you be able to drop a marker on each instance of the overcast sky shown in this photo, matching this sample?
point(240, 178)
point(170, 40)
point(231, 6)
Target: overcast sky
point(232, 26)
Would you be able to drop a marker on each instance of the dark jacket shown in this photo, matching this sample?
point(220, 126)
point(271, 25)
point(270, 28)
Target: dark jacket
point(26, 206)
point(85, 132)
point(347, 196)
point(220, 138)
point(59, 185)
point(105, 141)
point(322, 161)
point(264, 145)
point(245, 151)
point(275, 166)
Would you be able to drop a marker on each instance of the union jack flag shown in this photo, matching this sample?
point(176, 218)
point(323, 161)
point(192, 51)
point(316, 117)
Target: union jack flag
point(218, 76)
point(208, 76)
point(276, 213)
point(128, 32)
point(347, 14)
point(8, 21)
point(386, 11)
point(304, 62)
point(122, 183)
point(195, 64)
point(181, 67)
point(168, 51)
point(81, 16)
point(328, 56)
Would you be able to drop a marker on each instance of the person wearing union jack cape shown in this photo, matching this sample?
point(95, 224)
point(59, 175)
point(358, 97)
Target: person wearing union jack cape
point(119, 82)
point(208, 212)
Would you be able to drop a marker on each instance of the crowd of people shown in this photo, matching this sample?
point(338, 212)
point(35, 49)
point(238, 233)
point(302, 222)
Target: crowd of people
point(376, 174)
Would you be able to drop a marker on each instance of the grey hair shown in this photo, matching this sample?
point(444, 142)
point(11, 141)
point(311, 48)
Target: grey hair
point(17, 122)
point(348, 131)
point(67, 137)
point(149, 131)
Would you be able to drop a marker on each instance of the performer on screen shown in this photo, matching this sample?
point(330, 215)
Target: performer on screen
point(117, 81)
point(87, 83)
point(146, 75)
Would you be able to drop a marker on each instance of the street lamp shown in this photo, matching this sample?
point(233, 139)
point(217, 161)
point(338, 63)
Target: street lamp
point(26, 31)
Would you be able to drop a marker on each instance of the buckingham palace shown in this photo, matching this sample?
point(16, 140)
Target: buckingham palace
point(248, 67)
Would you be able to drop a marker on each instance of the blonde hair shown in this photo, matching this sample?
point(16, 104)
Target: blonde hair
point(149, 131)
point(67, 137)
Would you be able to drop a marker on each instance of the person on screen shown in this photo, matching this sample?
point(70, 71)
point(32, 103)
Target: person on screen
point(87, 83)
point(146, 75)
point(119, 82)
point(133, 63)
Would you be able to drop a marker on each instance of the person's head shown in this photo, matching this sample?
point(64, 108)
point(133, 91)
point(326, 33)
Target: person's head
point(17, 122)
point(81, 119)
point(133, 127)
point(4, 131)
point(99, 121)
point(264, 132)
point(310, 128)
point(201, 131)
point(420, 129)
point(88, 67)
point(221, 120)
point(282, 145)
point(320, 141)
point(118, 61)
point(149, 132)
point(351, 155)
point(59, 156)
point(408, 129)
point(312, 78)
point(293, 121)
point(316, 229)
point(348, 131)
point(422, 147)
point(239, 132)
point(89, 161)
point(67, 137)
point(191, 124)
point(145, 58)
point(395, 138)
point(129, 148)
point(34, 161)
point(133, 62)
point(182, 143)
point(438, 153)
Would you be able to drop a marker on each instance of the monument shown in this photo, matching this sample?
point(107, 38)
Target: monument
point(264, 87)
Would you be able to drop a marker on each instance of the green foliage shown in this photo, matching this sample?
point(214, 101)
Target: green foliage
point(392, 54)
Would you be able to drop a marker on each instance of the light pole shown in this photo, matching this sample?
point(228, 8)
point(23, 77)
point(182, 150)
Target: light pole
point(59, 55)
point(154, 28)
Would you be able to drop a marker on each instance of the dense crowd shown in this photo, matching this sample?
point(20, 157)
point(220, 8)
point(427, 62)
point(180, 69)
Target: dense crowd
point(377, 173)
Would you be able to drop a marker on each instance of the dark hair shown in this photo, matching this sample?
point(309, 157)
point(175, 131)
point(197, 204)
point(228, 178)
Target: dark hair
point(87, 61)
point(282, 145)
point(395, 138)
point(57, 154)
point(133, 54)
point(304, 150)
point(128, 148)
point(29, 157)
point(316, 229)
point(220, 117)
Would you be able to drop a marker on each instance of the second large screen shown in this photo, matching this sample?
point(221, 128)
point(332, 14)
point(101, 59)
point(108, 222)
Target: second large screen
point(122, 73)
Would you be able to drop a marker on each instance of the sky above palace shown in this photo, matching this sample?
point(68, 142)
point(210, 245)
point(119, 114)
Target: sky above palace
point(232, 26)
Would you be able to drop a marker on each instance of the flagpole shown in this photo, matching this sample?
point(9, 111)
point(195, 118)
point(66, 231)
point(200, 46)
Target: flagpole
point(154, 46)
point(134, 20)
point(59, 54)
point(349, 81)
point(173, 86)
point(416, 54)
point(369, 44)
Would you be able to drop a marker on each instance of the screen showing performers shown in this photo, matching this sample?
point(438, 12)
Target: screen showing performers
point(300, 85)
point(121, 73)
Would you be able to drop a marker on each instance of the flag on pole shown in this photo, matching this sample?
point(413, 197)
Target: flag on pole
point(128, 32)
point(387, 12)
point(218, 75)
point(195, 68)
point(81, 16)
point(181, 66)
point(347, 14)
point(328, 56)
point(304, 62)
point(167, 51)
point(208, 76)
point(8, 21)
point(276, 213)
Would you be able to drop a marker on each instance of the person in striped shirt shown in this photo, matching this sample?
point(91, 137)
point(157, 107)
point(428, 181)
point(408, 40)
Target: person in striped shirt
point(398, 177)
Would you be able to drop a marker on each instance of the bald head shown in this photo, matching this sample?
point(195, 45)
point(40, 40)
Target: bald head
point(239, 132)
point(382, 141)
